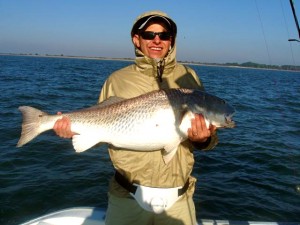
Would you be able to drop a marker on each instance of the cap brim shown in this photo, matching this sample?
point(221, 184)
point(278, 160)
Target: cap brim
point(151, 18)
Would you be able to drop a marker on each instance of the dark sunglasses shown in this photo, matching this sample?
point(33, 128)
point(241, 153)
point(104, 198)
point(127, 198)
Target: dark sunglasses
point(149, 35)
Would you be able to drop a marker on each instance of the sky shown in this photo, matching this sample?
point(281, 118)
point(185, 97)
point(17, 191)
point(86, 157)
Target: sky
point(219, 31)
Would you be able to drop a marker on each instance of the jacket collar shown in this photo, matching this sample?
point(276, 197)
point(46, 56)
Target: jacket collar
point(149, 66)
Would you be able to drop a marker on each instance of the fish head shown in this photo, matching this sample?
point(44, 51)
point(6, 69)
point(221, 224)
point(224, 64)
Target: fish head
point(216, 110)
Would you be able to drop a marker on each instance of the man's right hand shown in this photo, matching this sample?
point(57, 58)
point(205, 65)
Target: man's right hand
point(62, 127)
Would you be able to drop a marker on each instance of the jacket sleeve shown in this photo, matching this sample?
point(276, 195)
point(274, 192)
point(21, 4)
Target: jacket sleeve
point(211, 142)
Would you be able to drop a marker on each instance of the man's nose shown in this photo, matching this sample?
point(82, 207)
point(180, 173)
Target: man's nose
point(157, 39)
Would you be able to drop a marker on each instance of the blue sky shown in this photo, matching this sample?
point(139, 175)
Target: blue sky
point(216, 31)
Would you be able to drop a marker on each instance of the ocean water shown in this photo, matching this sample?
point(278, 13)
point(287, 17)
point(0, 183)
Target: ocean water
point(252, 174)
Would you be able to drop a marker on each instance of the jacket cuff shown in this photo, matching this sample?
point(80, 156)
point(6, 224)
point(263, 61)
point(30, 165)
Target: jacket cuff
point(211, 142)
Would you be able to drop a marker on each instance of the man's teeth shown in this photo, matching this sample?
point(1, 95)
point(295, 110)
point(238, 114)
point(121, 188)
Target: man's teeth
point(158, 49)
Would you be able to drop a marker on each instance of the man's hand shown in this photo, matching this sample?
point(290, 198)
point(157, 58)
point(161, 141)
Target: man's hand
point(62, 127)
point(198, 131)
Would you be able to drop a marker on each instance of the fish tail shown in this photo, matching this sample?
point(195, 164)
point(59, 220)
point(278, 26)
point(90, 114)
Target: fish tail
point(31, 126)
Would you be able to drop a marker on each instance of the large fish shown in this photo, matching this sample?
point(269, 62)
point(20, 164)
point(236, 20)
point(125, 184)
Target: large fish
point(158, 120)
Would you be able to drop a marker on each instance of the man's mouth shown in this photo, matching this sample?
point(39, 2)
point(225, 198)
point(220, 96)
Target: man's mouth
point(155, 48)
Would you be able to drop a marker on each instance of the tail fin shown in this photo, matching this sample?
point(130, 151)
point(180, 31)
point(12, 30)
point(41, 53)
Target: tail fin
point(31, 124)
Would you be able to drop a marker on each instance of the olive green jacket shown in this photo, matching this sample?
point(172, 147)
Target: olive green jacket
point(148, 168)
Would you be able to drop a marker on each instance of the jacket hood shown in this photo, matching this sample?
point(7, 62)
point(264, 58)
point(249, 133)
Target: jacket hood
point(142, 19)
point(146, 63)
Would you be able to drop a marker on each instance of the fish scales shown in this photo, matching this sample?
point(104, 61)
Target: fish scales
point(158, 120)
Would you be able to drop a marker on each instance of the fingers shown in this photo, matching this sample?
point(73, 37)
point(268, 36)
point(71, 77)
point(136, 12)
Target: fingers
point(198, 131)
point(62, 127)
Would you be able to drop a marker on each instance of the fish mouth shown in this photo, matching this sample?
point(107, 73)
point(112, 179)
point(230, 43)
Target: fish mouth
point(229, 122)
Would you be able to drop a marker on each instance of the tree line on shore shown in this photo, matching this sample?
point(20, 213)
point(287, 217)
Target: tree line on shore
point(252, 65)
point(257, 65)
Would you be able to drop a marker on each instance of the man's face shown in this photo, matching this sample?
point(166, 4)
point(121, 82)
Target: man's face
point(155, 48)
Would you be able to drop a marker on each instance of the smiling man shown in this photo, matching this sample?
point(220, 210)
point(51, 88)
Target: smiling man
point(144, 189)
point(155, 40)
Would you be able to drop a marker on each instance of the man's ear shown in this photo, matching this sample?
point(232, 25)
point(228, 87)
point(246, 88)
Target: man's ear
point(136, 41)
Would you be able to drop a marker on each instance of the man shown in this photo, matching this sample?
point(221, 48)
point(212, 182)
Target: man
point(144, 189)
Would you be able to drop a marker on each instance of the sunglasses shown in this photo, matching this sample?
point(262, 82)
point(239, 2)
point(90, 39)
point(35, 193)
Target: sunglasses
point(149, 35)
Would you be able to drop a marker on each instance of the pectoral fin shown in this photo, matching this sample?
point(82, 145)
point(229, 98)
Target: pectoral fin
point(169, 151)
point(186, 122)
point(82, 142)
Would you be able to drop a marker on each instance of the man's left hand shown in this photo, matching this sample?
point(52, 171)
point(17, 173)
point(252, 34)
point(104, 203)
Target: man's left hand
point(198, 131)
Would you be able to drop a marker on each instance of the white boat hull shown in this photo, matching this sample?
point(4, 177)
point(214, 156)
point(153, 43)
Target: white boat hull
point(96, 216)
point(72, 216)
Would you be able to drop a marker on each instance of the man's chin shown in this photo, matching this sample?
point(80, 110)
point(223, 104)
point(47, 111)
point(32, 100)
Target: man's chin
point(156, 56)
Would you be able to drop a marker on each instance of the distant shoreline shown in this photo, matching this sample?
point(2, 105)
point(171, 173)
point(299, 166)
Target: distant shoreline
point(66, 56)
point(247, 65)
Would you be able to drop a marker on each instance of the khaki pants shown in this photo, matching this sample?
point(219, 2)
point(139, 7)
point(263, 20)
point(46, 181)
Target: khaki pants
point(126, 211)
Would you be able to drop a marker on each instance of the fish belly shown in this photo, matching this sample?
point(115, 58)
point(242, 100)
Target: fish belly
point(147, 134)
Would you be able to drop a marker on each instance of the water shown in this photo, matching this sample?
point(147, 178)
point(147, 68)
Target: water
point(252, 174)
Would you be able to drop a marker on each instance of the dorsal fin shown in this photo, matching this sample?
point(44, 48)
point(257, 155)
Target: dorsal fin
point(110, 101)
